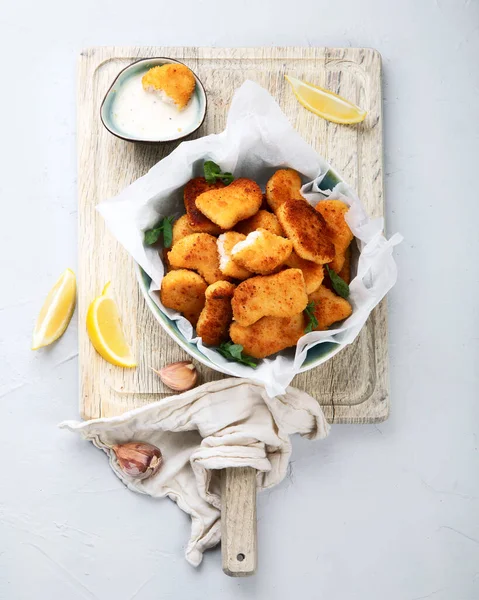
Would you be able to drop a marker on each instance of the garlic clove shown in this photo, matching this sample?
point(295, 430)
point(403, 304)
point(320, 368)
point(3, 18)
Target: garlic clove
point(138, 459)
point(179, 376)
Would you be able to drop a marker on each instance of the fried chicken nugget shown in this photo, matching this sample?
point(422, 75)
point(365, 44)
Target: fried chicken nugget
point(231, 204)
point(261, 220)
point(197, 252)
point(345, 272)
point(313, 273)
point(226, 242)
point(333, 212)
point(262, 252)
point(338, 262)
point(280, 295)
point(308, 231)
point(268, 335)
point(181, 228)
point(283, 185)
point(175, 81)
point(217, 314)
point(184, 291)
point(197, 220)
point(329, 308)
point(166, 262)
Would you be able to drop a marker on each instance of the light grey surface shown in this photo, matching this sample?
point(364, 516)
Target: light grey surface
point(373, 512)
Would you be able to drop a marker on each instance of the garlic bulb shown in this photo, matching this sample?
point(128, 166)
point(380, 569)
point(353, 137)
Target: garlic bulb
point(138, 459)
point(179, 376)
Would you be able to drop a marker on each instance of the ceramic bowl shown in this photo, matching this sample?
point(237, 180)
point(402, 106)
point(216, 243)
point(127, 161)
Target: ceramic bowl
point(316, 356)
point(142, 66)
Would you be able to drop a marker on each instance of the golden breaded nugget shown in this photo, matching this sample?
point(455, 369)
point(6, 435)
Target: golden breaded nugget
point(279, 295)
point(283, 185)
point(329, 308)
point(308, 231)
point(268, 335)
point(166, 262)
point(197, 252)
point(345, 272)
point(226, 242)
point(217, 314)
point(181, 229)
point(174, 80)
point(338, 261)
point(184, 291)
point(261, 220)
point(197, 220)
point(313, 273)
point(333, 212)
point(235, 202)
point(262, 252)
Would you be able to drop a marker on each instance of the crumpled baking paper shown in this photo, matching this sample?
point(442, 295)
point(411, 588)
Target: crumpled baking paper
point(228, 423)
point(258, 139)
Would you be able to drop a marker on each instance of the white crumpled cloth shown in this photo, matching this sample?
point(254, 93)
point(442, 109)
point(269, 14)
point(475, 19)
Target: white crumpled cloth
point(228, 423)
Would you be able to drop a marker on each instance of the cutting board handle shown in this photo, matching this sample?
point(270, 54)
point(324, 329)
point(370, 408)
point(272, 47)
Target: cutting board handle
point(238, 521)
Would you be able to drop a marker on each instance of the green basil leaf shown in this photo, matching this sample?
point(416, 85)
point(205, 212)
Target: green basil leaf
point(339, 285)
point(153, 235)
point(248, 361)
point(312, 320)
point(234, 352)
point(213, 172)
point(164, 227)
point(227, 178)
point(167, 232)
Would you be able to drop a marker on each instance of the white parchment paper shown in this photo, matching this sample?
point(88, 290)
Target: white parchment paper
point(258, 139)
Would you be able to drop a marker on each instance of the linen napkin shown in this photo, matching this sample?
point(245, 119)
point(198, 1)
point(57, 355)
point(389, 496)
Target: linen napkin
point(228, 423)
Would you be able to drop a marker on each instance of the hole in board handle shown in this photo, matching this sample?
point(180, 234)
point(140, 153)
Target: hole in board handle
point(240, 557)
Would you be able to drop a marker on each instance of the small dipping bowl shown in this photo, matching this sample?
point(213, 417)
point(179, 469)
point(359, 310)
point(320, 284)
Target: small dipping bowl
point(107, 109)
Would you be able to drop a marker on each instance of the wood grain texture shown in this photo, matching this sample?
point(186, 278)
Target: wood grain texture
point(353, 386)
point(238, 521)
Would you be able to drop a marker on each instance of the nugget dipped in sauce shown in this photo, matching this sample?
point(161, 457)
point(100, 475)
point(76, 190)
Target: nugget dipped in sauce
point(174, 82)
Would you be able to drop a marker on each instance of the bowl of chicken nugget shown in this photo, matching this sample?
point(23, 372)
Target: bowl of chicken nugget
point(253, 270)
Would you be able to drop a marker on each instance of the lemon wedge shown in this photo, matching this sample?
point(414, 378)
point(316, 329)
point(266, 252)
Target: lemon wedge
point(326, 104)
point(56, 312)
point(105, 331)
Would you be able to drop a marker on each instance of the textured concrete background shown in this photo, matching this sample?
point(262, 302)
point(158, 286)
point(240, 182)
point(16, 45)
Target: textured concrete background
point(374, 512)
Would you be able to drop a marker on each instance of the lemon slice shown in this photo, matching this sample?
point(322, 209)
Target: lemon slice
point(326, 104)
point(106, 333)
point(56, 312)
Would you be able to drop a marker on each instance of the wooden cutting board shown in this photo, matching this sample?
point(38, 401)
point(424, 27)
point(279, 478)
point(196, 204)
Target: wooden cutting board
point(353, 386)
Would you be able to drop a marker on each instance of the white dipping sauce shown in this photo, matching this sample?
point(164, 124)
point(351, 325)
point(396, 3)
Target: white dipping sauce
point(146, 115)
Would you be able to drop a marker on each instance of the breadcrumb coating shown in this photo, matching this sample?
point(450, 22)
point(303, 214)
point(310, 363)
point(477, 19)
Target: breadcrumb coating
point(283, 185)
point(197, 252)
point(231, 204)
point(268, 335)
point(308, 231)
point(217, 314)
point(329, 308)
point(280, 295)
point(184, 291)
point(175, 80)
point(262, 252)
